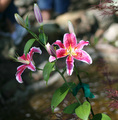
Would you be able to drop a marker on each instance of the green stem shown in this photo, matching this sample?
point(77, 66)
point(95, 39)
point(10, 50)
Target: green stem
point(75, 68)
point(67, 84)
point(35, 36)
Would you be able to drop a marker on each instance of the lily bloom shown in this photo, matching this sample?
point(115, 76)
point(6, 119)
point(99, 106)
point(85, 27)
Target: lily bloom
point(72, 50)
point(27, 61)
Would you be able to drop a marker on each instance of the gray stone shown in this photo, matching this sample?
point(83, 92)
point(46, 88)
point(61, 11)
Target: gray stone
point(22, 3)
point(104, 21)
point(78, 19)
point(111, 34)
point(22, 10)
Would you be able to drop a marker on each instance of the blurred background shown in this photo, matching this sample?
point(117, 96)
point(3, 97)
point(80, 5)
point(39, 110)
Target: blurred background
point(31, 100)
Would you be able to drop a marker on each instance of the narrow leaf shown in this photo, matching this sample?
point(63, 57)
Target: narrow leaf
point(43, 38)
point(48, 68)
point(83, 111)
point(28, 45)
point(27, 21)
point(71, 108)
point(101, 116)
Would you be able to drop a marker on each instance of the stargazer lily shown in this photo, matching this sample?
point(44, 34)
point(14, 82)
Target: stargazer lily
point(27, 61)
point(72, 50)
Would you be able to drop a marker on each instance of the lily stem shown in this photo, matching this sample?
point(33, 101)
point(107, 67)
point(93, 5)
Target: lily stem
point(77, 73)
point(67, 84)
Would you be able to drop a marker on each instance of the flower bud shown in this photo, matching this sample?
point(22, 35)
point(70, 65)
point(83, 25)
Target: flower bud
point(70, 26)
point(19, 20)
point(50, 49)
point(38, 14)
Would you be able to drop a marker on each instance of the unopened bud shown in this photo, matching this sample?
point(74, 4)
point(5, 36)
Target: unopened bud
point(70, 26)
point(19, 20)
point(38, 14)
point(50, 49)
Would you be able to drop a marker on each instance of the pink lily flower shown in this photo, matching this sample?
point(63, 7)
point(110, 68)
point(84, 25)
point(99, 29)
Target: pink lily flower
point(72, 50)
point(27, 63)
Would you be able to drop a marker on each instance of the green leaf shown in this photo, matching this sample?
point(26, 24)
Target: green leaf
point(83, 110)
point(87, 92)
point(28, 45)
point(59, 95)
point(71, 108)
point(48, 68)
point(27, 21)
point(101, 116)
point(43, 38)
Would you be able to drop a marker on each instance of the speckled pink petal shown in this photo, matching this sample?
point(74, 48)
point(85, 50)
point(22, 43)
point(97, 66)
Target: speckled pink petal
point(83, 56)
point(61, 53)
point(81, 44)
point(31, 66)
point(59, 43)
point(23, 57)
point(19, 72)
point(69, 40)
point(33, 50)
point(52, 58)
point(70, 65)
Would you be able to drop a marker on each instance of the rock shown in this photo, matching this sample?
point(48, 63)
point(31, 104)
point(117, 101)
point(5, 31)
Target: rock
point(22, 10)
point(111, 34)
point(107, 51)
point(103, 21)
point(22, 3)
point(7, 48)
point(78, 19)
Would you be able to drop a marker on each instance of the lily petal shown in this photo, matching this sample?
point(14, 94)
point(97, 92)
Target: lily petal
point(61, 53)
point(31, 66)
point(52, 58)
point(69, 40)
point(81, 44)
point(23, 57)
point(34, 49)
point(19, 72)
point(83, 56)
point(59, 43)
point(70, 65)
